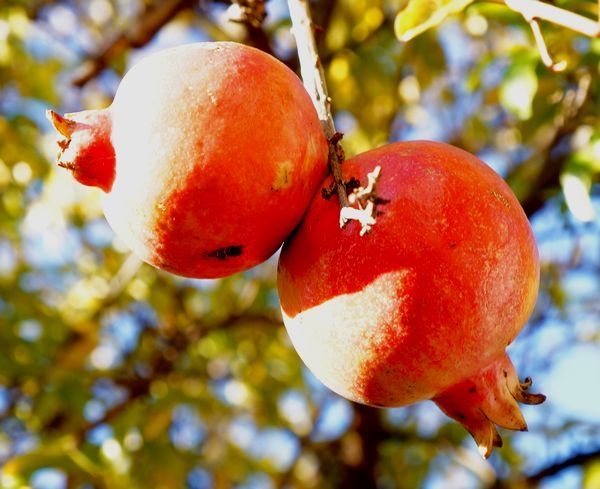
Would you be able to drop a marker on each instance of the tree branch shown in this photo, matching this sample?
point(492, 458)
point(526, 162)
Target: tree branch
point(251, 14)
point(141, 31)
point(533, 480)
point(314, 82)
point(368, 426)
point(161, 365)
point(152, 19)
point(548, 176)
point(578, 459)
point(311, 68)
point(534, 9)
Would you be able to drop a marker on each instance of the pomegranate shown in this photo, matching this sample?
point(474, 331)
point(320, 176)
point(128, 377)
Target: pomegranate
point(424, 306)
point(209, 156)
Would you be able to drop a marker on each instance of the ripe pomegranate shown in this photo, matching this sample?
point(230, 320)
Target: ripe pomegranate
point(209, 156)
point(424, 306)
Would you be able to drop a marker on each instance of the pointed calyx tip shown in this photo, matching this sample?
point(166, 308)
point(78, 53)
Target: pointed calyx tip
point(487, 399)
point(64, 126)
point(520, 393)
point(85, 146)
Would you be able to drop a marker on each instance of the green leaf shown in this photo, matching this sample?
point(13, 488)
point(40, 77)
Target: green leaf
point(576, 189)
point(518, 89)
point(420, 15)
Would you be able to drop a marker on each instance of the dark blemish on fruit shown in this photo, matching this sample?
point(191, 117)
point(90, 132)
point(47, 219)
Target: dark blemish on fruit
point(453, 245)
point(505, 373)
point(222, 254)
point(381, 201)
point(461, 416)
point(473, 390)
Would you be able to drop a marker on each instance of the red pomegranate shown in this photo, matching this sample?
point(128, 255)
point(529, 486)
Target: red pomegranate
point(209, 156)
point(424, 306)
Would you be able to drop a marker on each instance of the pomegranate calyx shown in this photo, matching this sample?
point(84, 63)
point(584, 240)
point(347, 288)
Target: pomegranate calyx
point(489, 399)
point(520, 393)
point(85, 146)
point(63, 125)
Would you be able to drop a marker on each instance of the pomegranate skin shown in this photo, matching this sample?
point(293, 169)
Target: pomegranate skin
point(217, 153)
point(432, 296)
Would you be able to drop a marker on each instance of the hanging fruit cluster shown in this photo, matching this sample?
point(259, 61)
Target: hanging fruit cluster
point(212, 155)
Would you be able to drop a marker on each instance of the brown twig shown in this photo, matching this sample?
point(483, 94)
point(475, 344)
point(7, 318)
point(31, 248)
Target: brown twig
point(143, 28)
point(533, 480)
point(251, 12)
point(578, 459)
point(161, 365)
point(139, 33)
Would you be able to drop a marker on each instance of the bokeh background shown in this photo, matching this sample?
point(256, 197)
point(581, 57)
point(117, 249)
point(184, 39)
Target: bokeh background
point(116, 375)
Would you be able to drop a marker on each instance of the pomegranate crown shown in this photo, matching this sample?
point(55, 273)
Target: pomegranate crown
point(85, 146)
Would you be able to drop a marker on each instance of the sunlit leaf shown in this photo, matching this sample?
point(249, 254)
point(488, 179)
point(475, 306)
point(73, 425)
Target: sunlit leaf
point(591, 479)
point(577, 196)
point(518, 89)
point(420, 15)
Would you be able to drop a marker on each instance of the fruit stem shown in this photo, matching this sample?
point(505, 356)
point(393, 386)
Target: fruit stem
point(313, 78)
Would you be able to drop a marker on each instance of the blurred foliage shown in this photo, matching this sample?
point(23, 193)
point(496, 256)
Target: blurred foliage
point(116, 375)
point(418, 16)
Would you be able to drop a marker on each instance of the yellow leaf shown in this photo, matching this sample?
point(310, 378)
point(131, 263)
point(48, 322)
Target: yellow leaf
point(591, 479)
point(420, 15)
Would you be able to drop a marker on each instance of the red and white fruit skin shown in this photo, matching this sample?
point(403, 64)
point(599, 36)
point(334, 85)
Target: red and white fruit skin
point(209, 156)
point(424, 306)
